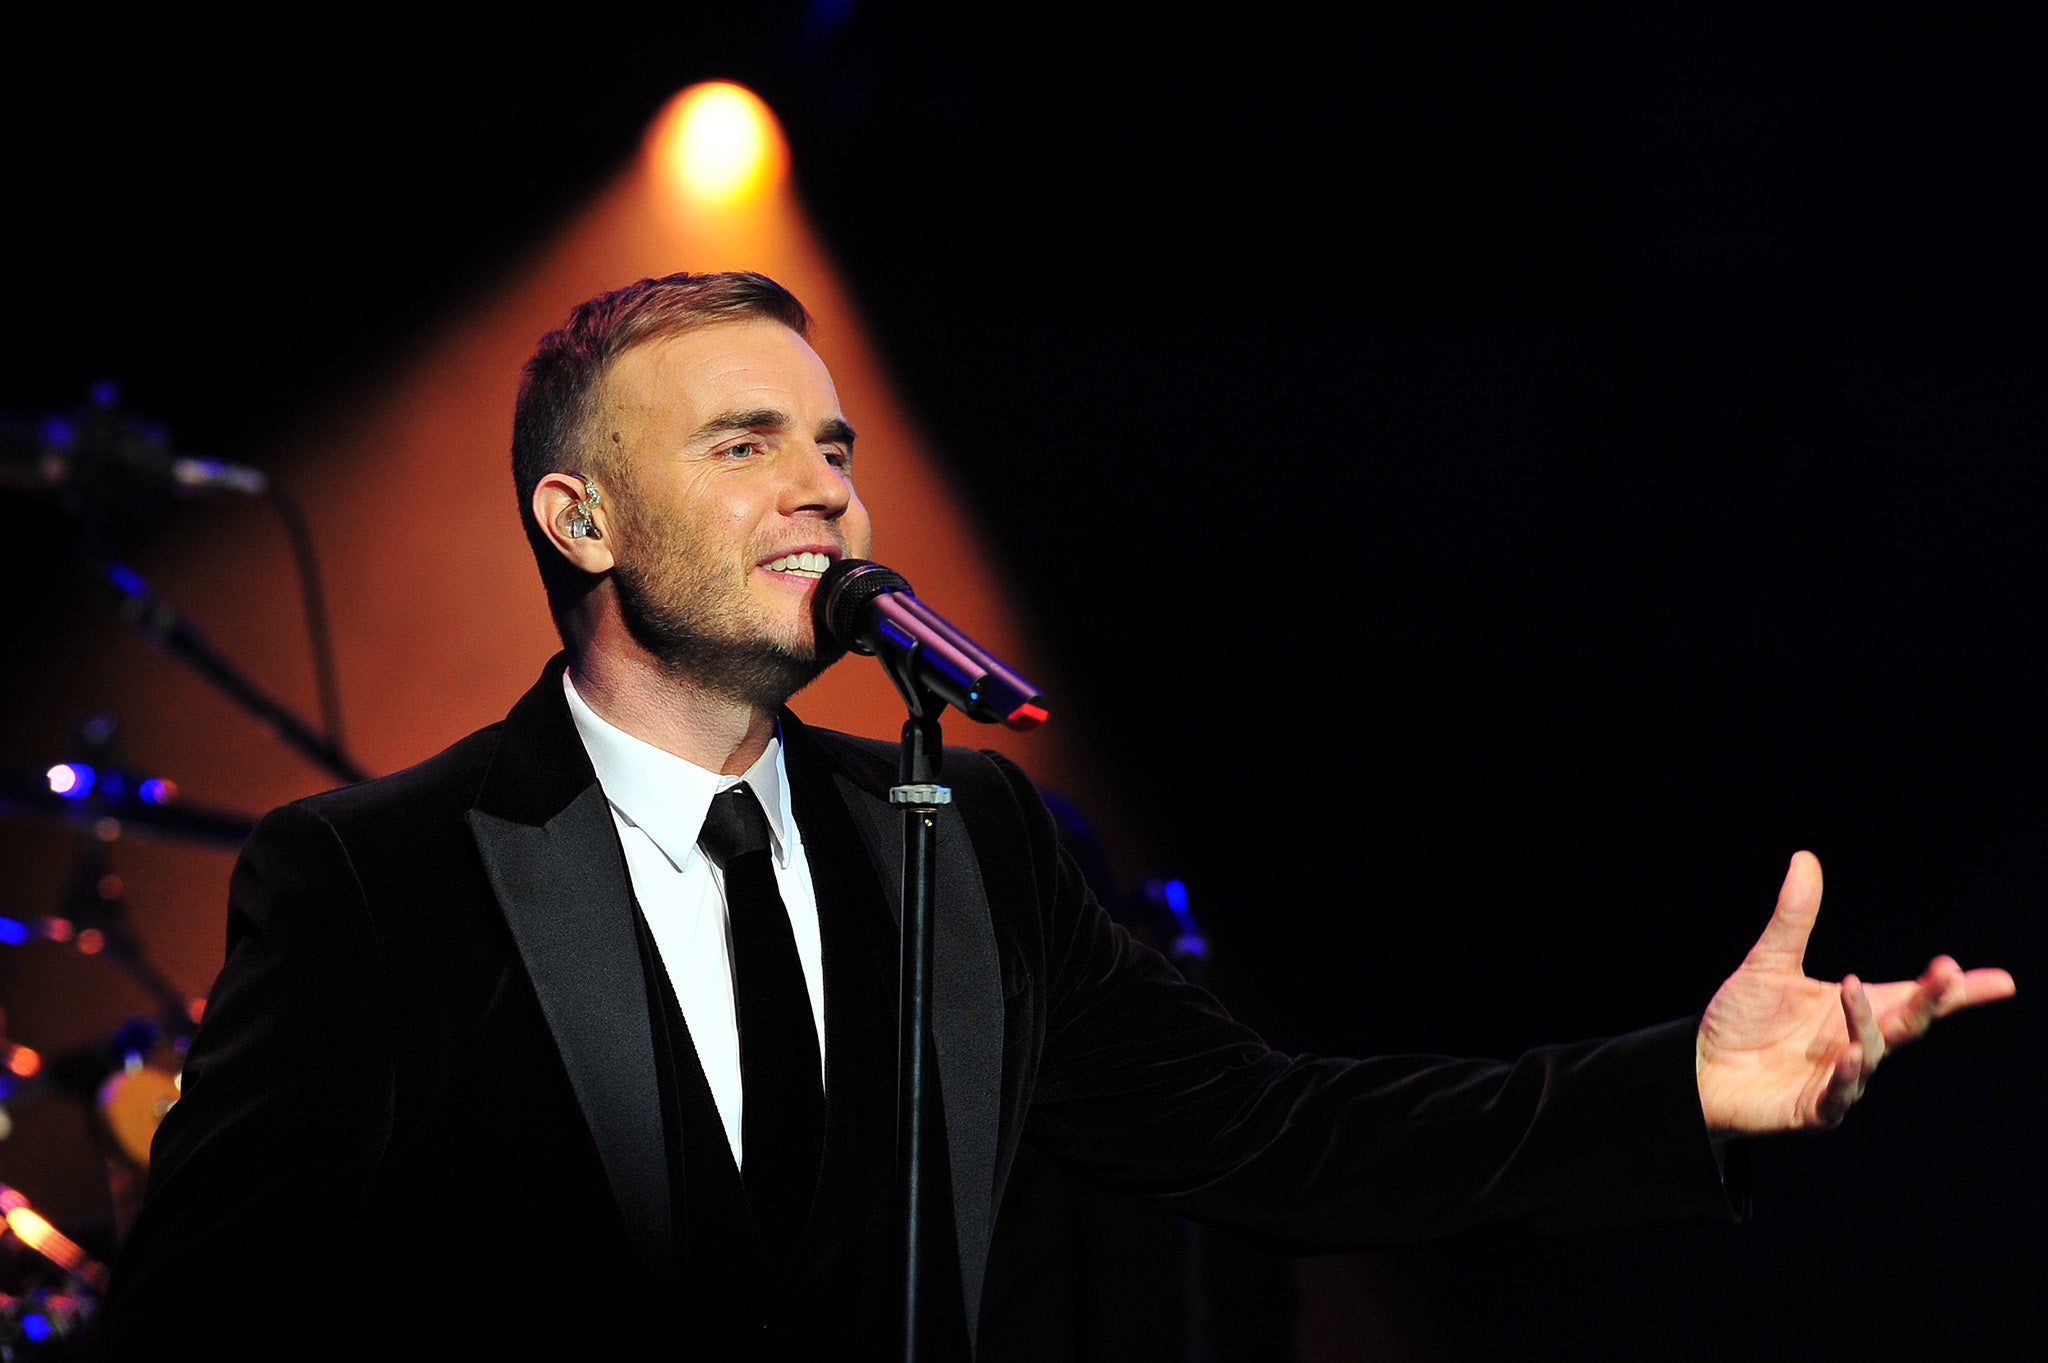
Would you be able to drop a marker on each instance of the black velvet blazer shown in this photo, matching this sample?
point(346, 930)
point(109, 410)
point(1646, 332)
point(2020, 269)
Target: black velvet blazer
point(419, 1113)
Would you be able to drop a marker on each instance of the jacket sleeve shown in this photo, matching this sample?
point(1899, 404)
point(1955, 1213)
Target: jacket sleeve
point(247, 1235)
point(1143, 1081)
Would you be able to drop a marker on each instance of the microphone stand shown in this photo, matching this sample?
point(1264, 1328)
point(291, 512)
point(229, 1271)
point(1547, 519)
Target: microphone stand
point(920, 797)
point(871, 610)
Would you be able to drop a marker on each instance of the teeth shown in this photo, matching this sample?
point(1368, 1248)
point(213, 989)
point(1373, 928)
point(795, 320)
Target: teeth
point(806, 565)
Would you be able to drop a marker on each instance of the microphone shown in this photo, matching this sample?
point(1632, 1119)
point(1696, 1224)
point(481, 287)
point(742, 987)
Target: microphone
point(99, 451)
point(870, 609)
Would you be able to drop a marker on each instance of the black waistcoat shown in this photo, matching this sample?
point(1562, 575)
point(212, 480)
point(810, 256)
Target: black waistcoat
point(837, 1297)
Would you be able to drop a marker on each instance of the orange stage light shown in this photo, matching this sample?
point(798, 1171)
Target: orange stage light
point(717, 144)
point(59, 1248)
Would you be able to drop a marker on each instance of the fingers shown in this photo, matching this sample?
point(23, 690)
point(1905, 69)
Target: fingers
point(1943, 988)
point(1859, 1056)
point(1939, 990)
point(1783, 944)
point(1986, 984)
point(1864, 1032)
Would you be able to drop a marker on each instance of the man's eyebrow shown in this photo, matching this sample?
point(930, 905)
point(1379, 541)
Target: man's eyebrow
point(833, 430)
point(731, 423)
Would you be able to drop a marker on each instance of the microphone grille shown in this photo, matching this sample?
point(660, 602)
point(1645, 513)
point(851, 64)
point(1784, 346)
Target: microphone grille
point(844, 593)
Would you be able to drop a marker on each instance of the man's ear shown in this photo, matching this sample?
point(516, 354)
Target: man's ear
point(570, 510)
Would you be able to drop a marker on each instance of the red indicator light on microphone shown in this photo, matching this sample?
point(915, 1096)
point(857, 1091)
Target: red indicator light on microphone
point(1027, 716)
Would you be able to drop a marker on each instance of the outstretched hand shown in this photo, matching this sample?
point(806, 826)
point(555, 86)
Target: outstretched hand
point(1781, 1052)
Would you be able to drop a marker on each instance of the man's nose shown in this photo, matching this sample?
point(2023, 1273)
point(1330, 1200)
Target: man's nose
point(818, 486)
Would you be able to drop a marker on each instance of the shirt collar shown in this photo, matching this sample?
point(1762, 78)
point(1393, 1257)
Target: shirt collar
point(665, 796)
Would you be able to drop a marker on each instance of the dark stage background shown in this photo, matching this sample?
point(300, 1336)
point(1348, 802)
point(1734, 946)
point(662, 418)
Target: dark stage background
point(1541, 465)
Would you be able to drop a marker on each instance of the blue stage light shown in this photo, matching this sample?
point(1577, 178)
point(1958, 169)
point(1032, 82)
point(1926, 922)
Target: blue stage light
point(72, 780)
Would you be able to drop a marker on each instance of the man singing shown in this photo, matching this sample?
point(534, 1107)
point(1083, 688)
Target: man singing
point(581, 1035)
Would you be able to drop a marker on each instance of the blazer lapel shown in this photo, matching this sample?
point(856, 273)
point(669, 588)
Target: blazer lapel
point(545, 833)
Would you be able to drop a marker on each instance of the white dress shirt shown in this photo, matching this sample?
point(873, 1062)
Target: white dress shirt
point(658, 803)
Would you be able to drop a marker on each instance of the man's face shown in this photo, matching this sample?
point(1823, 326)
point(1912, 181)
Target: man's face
point(736, 464)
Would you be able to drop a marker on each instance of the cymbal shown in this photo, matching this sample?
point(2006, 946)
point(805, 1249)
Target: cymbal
point(147, 808)
point(131, 1103)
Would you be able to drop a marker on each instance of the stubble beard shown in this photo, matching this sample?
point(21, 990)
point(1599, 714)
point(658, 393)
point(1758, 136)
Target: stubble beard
point(671, 605)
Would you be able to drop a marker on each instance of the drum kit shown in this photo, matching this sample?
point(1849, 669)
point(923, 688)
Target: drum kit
point(123, 1083)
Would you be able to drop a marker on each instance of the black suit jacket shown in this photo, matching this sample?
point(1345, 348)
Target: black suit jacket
point(419, 1111)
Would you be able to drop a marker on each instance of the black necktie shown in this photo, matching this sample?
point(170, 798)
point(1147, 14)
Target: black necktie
point(782, 1124)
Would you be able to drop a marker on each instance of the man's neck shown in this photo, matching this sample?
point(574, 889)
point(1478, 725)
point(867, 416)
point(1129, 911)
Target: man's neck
point(635, 694)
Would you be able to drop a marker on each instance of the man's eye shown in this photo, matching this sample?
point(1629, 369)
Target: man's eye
point(838, 458)
point(746, 449)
